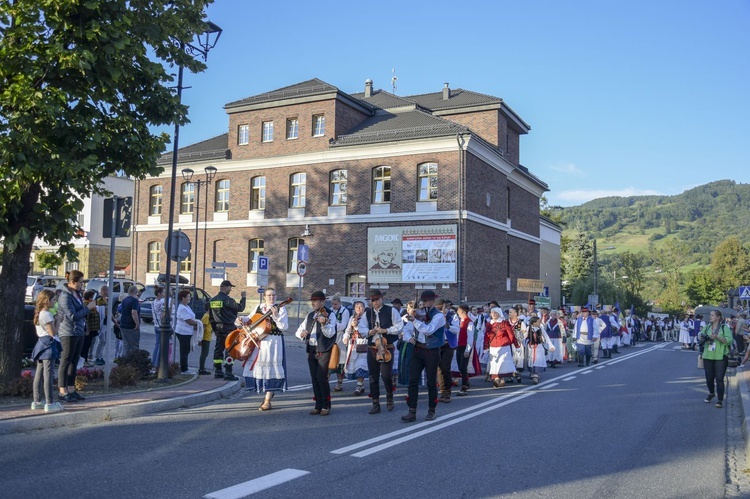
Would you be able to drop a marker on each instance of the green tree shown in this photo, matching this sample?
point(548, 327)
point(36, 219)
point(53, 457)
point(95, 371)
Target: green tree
point(702, 288)
point(579, 256)
point(631, 268)
point(81, 83)
point(730, 264)
point(48, 260)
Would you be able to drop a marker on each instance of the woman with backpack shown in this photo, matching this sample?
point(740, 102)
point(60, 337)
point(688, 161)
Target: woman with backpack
point(716, 338)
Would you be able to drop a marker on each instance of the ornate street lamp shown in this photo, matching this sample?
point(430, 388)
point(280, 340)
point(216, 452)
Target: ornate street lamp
point(187, 175)
point(205, 42)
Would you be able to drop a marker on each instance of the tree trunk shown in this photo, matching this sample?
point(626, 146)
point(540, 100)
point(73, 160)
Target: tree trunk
point(12, 295)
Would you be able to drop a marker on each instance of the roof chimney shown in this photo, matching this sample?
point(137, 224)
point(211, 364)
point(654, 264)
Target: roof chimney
point(446, 92)
point(368, 88)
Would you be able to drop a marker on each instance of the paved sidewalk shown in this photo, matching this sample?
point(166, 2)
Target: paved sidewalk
point(99, 408)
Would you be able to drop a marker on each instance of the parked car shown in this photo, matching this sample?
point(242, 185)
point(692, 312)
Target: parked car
point(197, 302)
point(118, 285)
point(50, 282)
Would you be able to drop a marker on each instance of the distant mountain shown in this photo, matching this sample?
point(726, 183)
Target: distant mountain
point(702, 217)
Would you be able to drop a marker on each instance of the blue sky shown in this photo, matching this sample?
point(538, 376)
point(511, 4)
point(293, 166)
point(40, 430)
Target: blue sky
point(623, 98)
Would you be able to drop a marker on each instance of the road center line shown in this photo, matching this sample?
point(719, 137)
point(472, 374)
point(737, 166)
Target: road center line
point(549, 386)
point(569, 378)
point(440, 426)
point(601, 367)
point(253, 486)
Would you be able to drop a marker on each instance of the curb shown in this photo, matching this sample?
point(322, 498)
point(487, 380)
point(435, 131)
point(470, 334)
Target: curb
point(124, 411)
point(745, 405)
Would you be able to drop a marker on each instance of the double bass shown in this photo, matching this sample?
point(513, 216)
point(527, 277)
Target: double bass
point(241, 342)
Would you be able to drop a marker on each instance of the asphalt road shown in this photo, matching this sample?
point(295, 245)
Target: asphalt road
point(635, 426)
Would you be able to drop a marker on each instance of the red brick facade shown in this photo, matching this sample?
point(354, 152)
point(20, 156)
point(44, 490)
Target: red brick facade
point(340, 249)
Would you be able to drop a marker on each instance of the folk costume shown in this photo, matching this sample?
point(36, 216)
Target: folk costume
point(465, 344)
point(388, 318)
point(319, 339)
point(339, 320)
point(554, 330)
point(430, 336)
point(607, 335)
point(538, 344)
point(265, 369)
point(355, 364)
point(447, 352)
point(499, 338)
point(586, 331)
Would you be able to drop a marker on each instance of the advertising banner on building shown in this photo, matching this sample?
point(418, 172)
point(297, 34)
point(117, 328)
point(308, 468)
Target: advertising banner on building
point(412, 254)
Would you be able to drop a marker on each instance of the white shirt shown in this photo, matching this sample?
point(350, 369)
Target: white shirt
point(184, 313)
point(45, 317)
point(326, 329)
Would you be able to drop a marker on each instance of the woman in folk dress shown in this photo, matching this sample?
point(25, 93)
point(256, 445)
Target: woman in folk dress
point(356, 362)
point(498, 340)
point(538, 344)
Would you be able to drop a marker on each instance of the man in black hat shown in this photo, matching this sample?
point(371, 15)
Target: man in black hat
point(398, 305)
point(382, 323)
point(319, 336)
point(429, 336)
point(224, 312)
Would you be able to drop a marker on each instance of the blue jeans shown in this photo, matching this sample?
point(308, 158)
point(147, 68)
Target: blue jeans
point(584, 351)
point(157, 346)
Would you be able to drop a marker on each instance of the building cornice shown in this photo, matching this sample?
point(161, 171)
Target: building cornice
point(305, 99)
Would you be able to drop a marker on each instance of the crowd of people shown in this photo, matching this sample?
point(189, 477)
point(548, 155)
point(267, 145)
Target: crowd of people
point(429, 342)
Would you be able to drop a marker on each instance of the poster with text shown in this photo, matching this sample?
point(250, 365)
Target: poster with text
point(412, 254)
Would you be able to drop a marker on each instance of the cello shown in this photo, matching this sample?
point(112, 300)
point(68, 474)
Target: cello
point(241, 342)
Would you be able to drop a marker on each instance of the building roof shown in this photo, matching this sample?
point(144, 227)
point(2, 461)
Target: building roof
point(388, 127)
point(213, 148)
point(383, 100)
point(459, 98)
point(303, 89)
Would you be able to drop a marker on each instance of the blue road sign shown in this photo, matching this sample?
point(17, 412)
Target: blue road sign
point(744, 292)
point(303, 253)
point(262, 263)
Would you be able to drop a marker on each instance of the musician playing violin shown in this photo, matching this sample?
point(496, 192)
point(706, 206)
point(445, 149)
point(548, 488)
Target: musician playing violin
point(319, 336)
point(265, 368)
point(383, 325)
point(429, 336)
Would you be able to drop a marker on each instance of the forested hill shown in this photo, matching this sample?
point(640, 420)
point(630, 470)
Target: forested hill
point(702, 217)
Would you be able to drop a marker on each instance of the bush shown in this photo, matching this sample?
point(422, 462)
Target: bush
point(123, 375)
point(90, 374)
point(19, 387)
point(140, 360)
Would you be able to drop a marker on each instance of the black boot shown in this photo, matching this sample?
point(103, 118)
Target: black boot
point(375, 406)
point(411, 417)
point(228, 374)
point(389, 405)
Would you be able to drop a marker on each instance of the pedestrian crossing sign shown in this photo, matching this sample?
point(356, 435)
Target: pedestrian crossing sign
point(744, 292)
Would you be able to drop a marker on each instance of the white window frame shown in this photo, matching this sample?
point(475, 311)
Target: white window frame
point(297, 190)
point(292, 128)
point(261, 193)
point(267, 133)
point(319, 125)
point(222, 196)
point(425, 175)
point(243, 135)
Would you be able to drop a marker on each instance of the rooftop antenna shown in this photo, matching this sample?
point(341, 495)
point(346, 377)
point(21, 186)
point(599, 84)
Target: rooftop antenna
point(393, 80)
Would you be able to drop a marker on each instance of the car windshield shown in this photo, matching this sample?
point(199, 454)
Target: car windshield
point(30, 281)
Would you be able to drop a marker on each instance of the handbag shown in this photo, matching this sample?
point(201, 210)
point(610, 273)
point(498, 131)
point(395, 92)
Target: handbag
point(333, 364)
point(361, 348)
point(700, 361)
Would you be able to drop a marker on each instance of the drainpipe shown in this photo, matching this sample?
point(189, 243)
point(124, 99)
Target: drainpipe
point(461, 186)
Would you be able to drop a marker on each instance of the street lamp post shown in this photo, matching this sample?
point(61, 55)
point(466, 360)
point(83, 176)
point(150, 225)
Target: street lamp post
point(187, 175)
point(206, 41)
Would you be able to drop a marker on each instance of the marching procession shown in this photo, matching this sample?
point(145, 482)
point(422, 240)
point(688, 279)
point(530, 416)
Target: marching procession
point(434, 344)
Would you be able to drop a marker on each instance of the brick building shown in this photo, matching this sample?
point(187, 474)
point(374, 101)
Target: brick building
point(401, 193)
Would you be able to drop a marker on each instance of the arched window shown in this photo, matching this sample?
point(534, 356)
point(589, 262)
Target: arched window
point(297, 190)
point(254, 250)
point(338, 187)
point(258, 193)
point(291, 259)
point(381, 184)
point(187, 198)
point(154, 256)
point(155, 200)
point(428, 181)
point(222, 195)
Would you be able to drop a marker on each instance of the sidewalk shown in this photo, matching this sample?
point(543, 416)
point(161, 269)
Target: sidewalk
point(100, 408)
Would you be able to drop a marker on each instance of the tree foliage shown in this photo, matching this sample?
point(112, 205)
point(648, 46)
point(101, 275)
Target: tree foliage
point(579, 257)
point(702, 288)
point(48, 260)
point(81, 82)
point(730, 264)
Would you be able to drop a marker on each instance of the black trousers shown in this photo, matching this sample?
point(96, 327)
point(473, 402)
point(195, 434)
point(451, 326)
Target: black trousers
point(423, 359)
point(71, 352)
point(219, 349)
point(446, 357)
point(184, 340)
point(463, 365)
point(379, 370)
point(318, 364)
point(87, 341)
point(715, 372)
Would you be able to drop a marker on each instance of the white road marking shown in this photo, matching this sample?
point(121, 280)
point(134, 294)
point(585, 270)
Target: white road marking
point(437, 427)
point(254, 486)
point(549, 386)
point(430, 426)
point(601, 367)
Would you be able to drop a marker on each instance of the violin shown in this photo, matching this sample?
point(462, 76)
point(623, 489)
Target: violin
point(241, 342)
point(381, 344)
